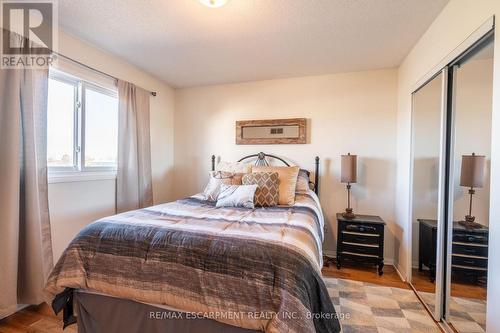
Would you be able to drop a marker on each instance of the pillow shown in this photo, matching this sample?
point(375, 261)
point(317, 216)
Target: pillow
point(267, 193)
point(302, 182)
point(234, 167)
point(288, 181)
point(217, 178)
point(236, 196)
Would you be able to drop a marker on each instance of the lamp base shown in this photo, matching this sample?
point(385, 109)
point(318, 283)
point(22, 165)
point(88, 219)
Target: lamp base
point(348, 214)
point(469, 218)
point(470, 224)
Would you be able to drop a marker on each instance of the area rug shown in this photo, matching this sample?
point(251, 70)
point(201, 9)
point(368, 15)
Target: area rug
point(365, 308)
point(466, 314)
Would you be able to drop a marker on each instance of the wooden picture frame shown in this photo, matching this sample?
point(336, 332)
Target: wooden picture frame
point(271, 131)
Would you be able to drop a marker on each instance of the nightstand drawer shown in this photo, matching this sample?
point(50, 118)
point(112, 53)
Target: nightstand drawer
point(355, 237)
point(470, 238)
point(361, 228)
point(468, 261)
point(470, 249)
point(361, 258)
point(361, 248)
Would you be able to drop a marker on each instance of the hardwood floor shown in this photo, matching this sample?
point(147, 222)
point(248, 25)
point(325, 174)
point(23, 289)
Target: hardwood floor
point(422, 282)
point(41, 319)
point(34, 319)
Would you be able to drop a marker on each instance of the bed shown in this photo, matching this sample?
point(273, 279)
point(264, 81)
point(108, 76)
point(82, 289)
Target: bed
point(187, 266)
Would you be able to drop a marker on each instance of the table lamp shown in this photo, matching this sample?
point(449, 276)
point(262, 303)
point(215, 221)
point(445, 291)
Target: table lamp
point(472, 175)
point(348, 175)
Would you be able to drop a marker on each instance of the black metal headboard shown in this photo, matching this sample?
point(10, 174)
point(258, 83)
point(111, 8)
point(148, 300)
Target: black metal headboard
point(262, 161)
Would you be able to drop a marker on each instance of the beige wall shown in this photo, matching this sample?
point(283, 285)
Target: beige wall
point(354, 112)
point(74, 205)
point(455, 23)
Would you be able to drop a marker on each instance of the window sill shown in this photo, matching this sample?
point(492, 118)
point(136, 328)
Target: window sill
point(70, 177)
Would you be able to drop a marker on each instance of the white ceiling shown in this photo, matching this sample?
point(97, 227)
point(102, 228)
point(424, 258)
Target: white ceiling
point(187, 44)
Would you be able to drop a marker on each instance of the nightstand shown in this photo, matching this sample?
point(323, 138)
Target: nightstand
point(469, 254)
point(361, 240)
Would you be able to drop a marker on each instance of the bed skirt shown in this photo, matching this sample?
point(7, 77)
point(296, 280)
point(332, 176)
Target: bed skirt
point(104, 314)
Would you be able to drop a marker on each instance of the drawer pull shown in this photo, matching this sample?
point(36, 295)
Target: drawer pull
point(467, 250)
point(476, 239)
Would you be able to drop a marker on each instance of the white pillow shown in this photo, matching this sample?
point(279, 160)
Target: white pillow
point(234, 167)
point(217, 178)
point(236, 196)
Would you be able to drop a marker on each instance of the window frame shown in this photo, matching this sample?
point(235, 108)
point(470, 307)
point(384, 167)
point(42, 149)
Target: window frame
point(79, 171)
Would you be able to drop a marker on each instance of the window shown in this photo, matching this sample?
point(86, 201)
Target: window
point(82, 126)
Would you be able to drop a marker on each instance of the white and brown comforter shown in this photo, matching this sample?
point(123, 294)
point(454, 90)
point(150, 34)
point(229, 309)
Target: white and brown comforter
point(257, 269)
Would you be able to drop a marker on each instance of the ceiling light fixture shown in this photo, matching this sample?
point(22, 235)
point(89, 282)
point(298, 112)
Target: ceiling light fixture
point(213, 3)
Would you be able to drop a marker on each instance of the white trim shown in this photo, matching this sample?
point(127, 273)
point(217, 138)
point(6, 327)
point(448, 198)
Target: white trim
point(401, 276)
point(451, 176)
point(461, 48)
point(442, 190)
point(409, 253)
point(10, 312)
point(79, 176)
point(441, 178)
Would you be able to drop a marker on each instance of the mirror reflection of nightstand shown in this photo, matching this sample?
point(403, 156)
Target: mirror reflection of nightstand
point(469, 250)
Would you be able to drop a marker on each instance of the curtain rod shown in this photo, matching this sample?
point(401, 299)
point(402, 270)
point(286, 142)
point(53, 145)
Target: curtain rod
point(153, 93)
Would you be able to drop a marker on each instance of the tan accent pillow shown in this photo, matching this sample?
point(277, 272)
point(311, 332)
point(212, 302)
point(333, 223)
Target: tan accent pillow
point(234, 167)
point(267, 193)
point(217, 178)
point(288, 181)
point(302, 182)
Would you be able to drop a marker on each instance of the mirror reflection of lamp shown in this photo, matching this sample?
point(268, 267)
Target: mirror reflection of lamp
point(472, 176)
point(348, 175)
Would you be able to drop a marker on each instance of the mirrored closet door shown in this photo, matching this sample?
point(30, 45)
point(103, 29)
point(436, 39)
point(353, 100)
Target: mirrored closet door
point(471, 109)
point(427, 152)
point(450, 192)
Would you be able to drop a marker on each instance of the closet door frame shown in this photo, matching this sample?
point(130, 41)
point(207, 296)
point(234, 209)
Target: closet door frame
point(452, 77)
point(445, 220)
point(440, 258)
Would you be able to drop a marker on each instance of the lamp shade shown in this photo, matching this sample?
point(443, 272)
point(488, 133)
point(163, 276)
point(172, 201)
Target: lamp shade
point(472, 173)
point(349, 169)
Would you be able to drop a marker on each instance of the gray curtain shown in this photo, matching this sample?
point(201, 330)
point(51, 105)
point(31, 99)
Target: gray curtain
point(25, 239)
point(133, 185)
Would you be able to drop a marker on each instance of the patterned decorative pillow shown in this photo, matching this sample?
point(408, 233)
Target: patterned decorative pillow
point(267, 193)
point(302, 182)
point(288, 181)
point(236, 196)
point(217, 178)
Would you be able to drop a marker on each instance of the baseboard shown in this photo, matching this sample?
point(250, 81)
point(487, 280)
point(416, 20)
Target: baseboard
point(11, 311)
point(330, 253)
point(333, 254)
